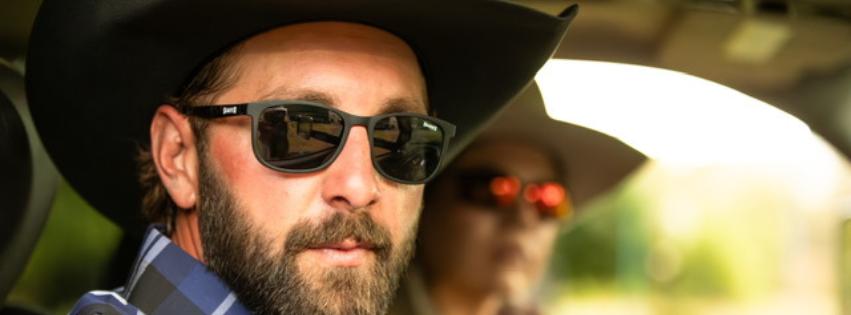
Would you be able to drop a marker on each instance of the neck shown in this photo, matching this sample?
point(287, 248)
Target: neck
point(455, 300)
point(186, 234)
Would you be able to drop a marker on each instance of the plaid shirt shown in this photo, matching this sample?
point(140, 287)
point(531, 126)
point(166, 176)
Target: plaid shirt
point(164, 280)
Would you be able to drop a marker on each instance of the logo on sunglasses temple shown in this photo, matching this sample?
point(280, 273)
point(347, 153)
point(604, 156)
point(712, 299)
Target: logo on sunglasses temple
point(227, 110)
point(430, 126)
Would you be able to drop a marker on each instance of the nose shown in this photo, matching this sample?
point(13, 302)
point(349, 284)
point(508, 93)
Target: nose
point(351, 182)
point(522, 215)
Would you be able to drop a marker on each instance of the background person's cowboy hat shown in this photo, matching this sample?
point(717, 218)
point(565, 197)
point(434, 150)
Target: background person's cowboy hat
point(593, 162)
point(97, 70)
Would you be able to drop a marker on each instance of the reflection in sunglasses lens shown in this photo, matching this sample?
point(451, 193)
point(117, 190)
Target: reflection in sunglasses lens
point(298, 137)
point(303, 137)
point(406, 147)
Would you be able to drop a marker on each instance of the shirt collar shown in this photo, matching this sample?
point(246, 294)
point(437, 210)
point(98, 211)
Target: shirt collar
point(167, 280)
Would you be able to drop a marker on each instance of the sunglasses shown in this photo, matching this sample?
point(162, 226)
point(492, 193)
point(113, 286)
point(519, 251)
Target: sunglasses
point(492, 190)
point(302, 137)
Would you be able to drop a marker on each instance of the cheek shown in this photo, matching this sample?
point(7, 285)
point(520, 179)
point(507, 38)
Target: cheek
point(470, 234)
point(229, 147)
point(272, 201)
point(480, 228)
point(399, 210)
point(540, 246)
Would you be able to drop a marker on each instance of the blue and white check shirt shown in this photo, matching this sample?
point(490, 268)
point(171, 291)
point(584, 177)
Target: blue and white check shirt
point(164, 280)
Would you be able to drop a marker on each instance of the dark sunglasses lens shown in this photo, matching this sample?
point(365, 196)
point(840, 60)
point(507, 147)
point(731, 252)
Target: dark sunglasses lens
point(477, 188)
point(298, 137)
point(407, 148)
point(549, 198)
point(490, 191)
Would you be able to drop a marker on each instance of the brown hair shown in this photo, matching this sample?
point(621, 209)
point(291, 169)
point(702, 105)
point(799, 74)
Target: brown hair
point(209, 81)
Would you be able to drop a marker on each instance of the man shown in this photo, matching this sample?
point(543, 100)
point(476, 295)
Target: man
point(491, 219)
point(286, 143)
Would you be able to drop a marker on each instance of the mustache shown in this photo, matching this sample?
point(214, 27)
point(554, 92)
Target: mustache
point(340, 226)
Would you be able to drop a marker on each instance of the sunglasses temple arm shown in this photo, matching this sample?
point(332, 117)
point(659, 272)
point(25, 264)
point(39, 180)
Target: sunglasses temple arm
point(216, 111)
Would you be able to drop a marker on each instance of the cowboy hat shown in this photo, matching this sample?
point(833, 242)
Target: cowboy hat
point(593, 162)
point(97, 70)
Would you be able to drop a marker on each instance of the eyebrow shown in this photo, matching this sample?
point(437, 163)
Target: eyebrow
point(401, 104)
point(391, 105)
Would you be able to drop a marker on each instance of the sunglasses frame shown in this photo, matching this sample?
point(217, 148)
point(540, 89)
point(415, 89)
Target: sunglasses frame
point(254, 110)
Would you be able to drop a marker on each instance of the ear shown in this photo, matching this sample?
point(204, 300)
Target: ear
point(174, 153)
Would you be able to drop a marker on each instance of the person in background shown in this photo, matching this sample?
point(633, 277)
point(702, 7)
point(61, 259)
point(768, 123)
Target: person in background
point(491, 219)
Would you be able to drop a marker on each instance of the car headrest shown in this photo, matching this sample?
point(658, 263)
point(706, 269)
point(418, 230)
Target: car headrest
point(28, 180)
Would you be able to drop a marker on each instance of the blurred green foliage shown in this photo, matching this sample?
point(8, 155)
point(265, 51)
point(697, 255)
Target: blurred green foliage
point(589, 253)
point(674, 240)
point(600, 246)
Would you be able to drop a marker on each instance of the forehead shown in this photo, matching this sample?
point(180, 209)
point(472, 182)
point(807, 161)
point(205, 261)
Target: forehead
point(331, 62)
point(526, 161)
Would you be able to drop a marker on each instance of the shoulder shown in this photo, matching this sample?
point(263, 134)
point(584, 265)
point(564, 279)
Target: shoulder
point(103, 303)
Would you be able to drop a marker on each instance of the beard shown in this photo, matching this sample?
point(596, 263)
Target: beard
point(265, 276)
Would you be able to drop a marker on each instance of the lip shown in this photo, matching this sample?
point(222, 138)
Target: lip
point(346, 253)
point(345, 245)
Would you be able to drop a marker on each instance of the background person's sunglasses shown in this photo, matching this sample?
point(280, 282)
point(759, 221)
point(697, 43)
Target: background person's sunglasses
point(301, 137)
point(492, 190)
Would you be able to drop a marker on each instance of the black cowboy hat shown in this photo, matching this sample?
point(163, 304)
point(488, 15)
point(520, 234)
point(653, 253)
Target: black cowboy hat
point(97, 70)
point(593, 161)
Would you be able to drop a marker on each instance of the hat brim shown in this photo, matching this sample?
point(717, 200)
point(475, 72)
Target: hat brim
point(594, 162)
point(97, 70)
